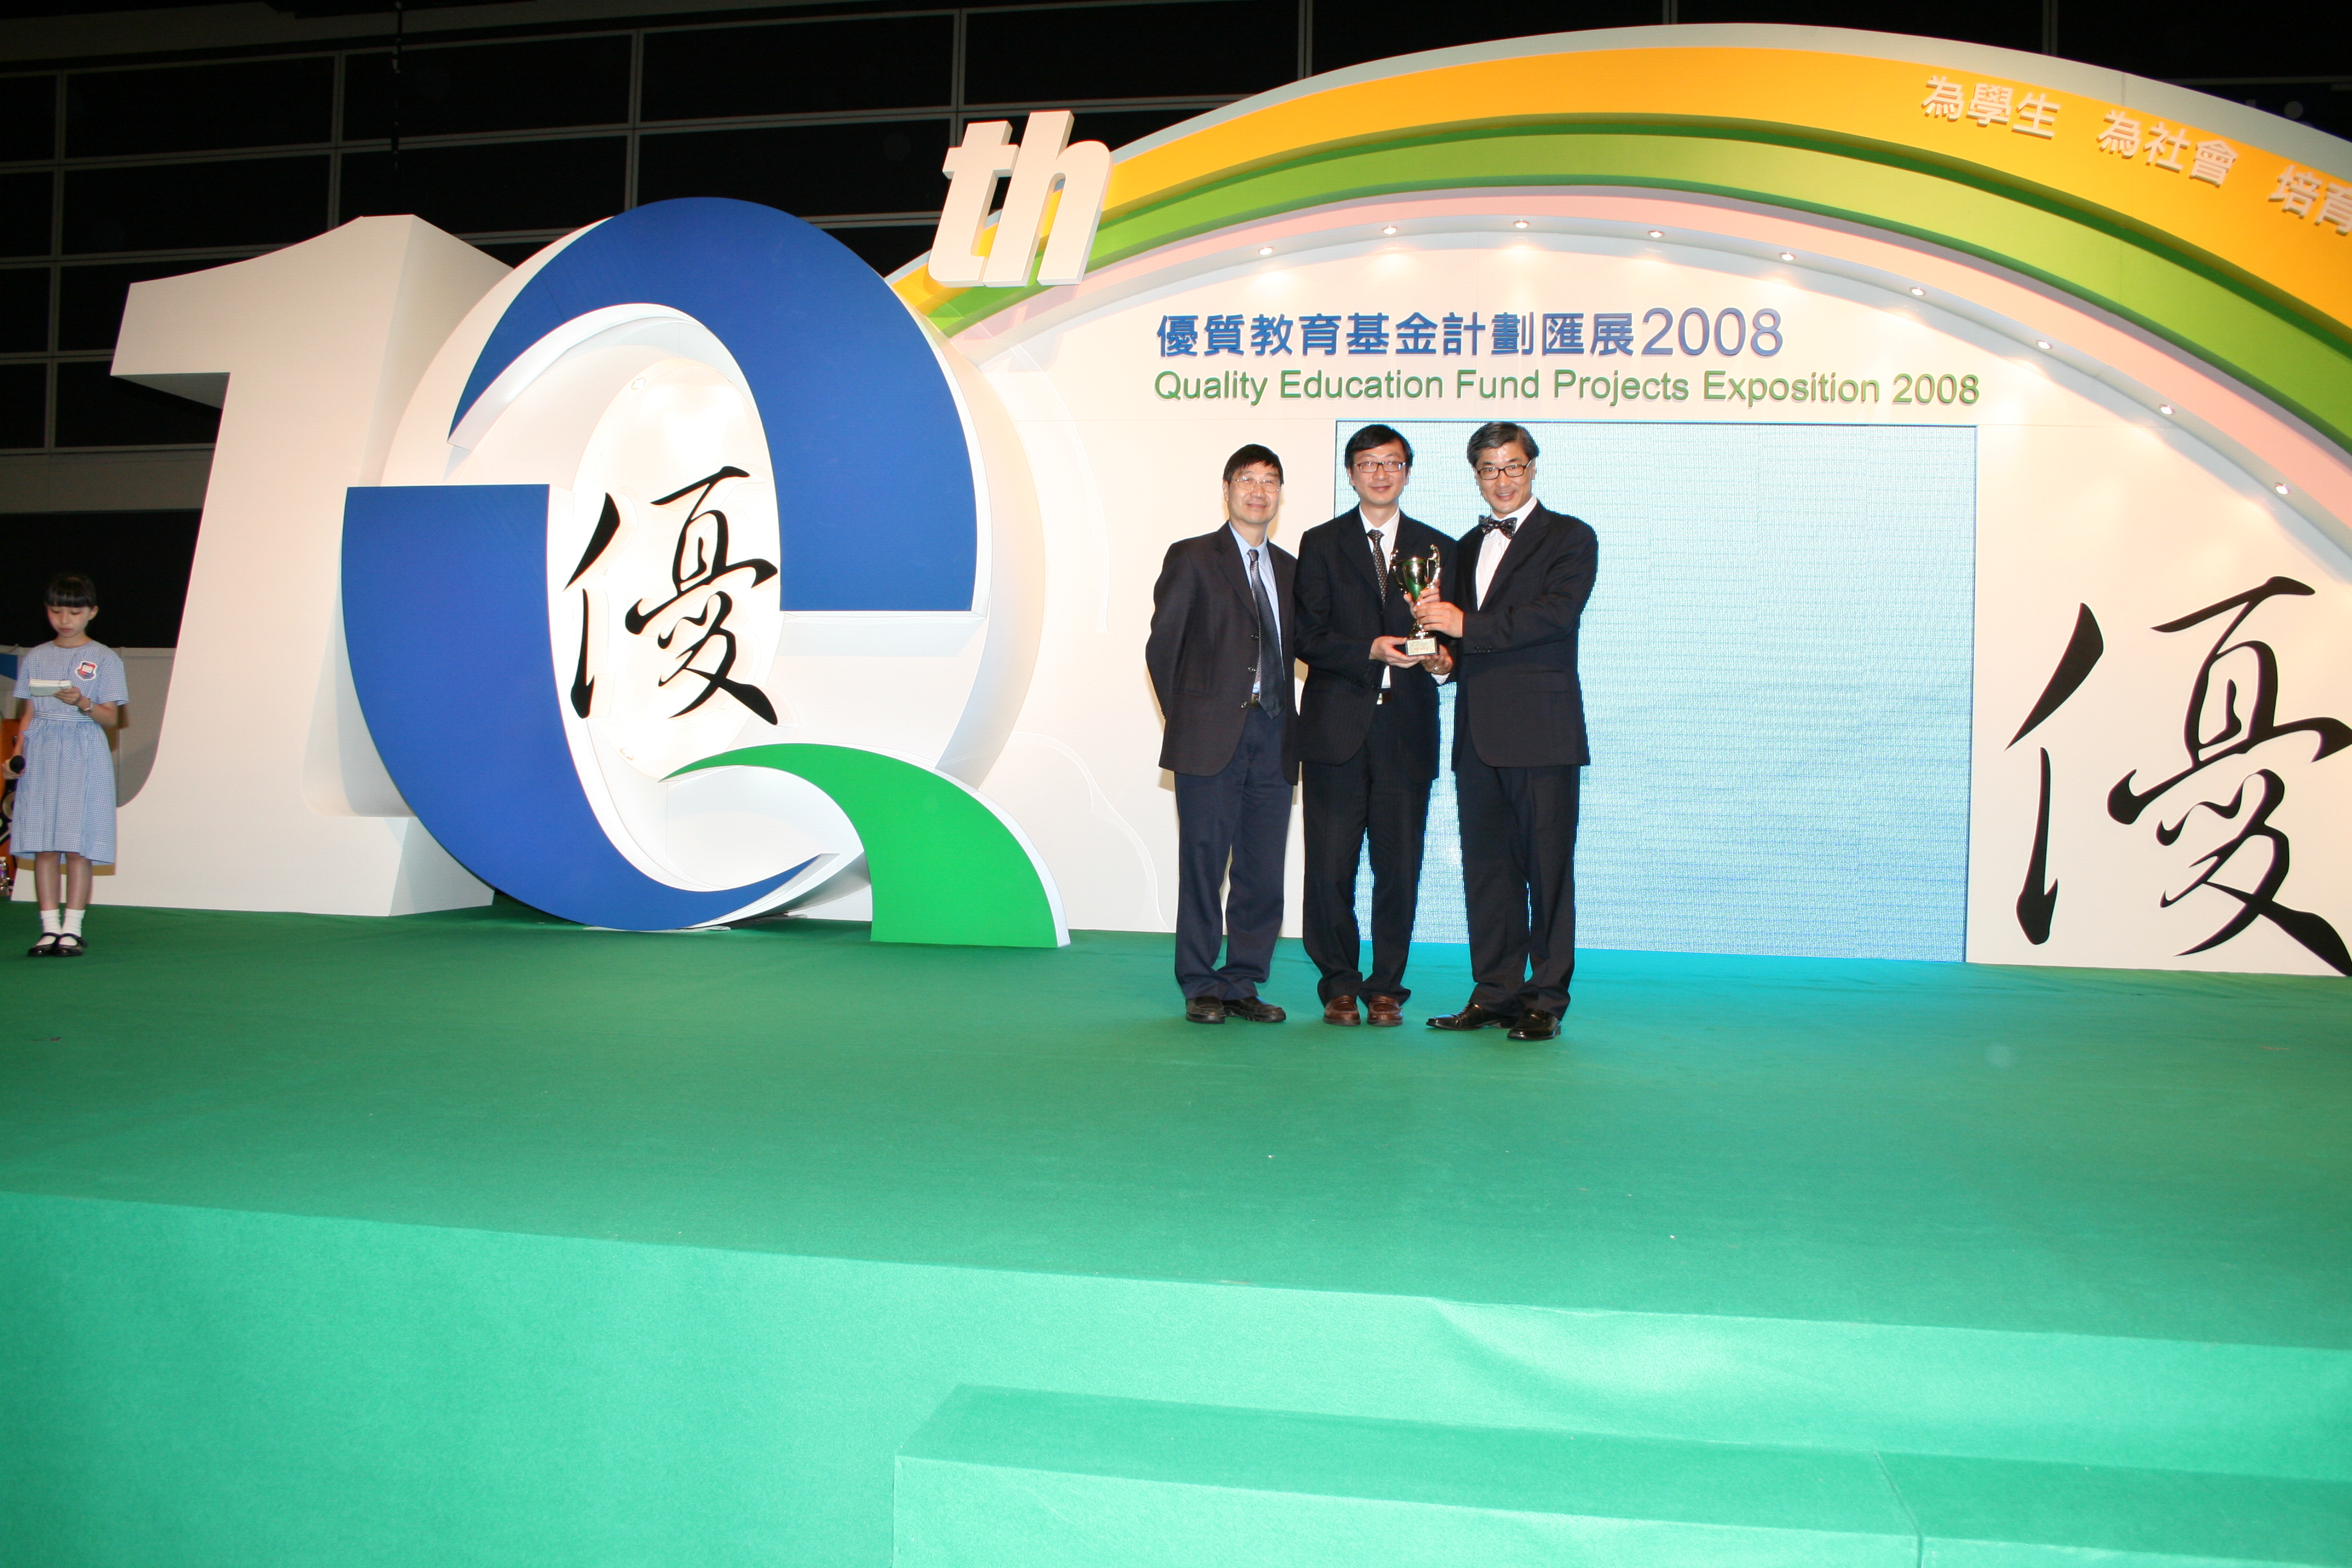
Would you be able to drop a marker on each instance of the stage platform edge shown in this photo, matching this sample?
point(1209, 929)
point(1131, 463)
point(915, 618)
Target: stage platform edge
point(204, 1385)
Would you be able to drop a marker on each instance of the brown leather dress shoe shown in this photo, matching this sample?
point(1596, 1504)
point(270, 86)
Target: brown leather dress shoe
point(1477, 1015)
point(1342, 1010)
point(1384, 1011)
point(1254, 1009)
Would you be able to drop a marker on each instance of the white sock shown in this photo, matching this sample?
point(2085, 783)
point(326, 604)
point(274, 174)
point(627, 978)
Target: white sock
point(73, 922)
point(52, 921)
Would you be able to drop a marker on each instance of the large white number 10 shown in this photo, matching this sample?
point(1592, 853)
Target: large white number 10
point(266, 793)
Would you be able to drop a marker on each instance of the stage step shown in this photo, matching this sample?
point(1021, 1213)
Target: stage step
point(1016, 1476)
point(1999, 1513)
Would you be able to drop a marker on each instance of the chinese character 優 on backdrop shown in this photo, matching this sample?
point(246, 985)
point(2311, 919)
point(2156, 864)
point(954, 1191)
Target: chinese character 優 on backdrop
point(1178, 334)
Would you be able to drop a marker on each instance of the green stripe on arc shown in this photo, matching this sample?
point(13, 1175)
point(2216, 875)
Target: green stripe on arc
point(2217, 319)
point(946, 868)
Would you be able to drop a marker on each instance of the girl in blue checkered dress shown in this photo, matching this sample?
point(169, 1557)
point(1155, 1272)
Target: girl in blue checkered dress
point(65, 799)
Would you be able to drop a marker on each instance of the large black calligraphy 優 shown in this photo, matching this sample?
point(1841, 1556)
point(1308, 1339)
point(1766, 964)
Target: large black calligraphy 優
point(693, 619)
point(2247, 718)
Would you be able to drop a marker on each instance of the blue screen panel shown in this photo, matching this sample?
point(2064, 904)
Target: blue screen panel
point(1776, 664)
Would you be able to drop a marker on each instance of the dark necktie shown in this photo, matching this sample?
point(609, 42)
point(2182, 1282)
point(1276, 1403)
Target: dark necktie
point(1269, 640)
point(1380, 562)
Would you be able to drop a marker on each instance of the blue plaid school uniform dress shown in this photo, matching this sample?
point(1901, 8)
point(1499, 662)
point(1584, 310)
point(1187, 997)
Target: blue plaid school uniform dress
point(65, 799)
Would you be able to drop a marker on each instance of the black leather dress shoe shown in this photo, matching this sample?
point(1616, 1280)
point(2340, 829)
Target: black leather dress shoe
point(1255, 1010)
point(1204, 1009)
point(1477, 1015)
point(1535, 1026)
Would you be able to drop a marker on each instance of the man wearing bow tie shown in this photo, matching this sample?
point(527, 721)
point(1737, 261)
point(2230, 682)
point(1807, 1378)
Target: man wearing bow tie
point(1511, 607)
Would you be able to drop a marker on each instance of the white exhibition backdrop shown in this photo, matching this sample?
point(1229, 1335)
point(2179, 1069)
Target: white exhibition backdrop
point(1762, 563)
point(1777, 664)
point(2083, 495)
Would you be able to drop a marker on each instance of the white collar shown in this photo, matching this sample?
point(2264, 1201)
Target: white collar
point(1389, 531)
point(1519, 516)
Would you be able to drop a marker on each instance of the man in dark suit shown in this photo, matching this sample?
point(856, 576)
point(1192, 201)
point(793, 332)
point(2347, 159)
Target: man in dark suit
point(1223, 635)
point(1511, 606)
point(1367, 730)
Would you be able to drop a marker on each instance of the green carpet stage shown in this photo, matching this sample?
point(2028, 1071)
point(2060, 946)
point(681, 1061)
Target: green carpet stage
point(476, 1238)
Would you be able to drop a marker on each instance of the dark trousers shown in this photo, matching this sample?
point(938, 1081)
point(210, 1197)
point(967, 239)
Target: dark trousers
point(1375, 794)
point(1236, 821)
point(1518, 874)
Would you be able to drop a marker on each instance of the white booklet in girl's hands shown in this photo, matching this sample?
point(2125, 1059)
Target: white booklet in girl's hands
point(47, 688)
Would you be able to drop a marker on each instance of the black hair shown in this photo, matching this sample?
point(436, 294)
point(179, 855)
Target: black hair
point(71, 591)
point(1501, 432)
point(1372, 435)
point(1253, 453)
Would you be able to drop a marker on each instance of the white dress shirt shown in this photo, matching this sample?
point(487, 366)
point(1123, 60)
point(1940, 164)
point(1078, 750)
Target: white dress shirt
point(1490, 559)
point(1386, 550)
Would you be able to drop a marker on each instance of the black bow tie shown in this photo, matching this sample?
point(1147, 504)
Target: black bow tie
point(1489, 524)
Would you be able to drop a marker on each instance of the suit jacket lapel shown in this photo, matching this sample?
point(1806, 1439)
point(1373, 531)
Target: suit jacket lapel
point(1524, 541)
point(1360, 547)
point(1284, 587)
point(1464, 590)
point(1230, 563)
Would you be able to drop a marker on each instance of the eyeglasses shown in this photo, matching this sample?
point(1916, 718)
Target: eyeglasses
point(1381, 466)
point(1255, 482)
point(1505, 470)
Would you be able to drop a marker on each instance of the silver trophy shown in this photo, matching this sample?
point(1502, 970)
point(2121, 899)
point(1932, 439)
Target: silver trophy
point(1416, 574)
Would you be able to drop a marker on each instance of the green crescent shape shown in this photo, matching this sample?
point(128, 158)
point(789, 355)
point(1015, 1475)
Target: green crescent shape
point(946, 867)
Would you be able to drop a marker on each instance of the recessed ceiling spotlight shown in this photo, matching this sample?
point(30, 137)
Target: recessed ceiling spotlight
point(1918, 293)
point(2164, 408)
point(2280, 489)
point(1389, 230)
point(1265, 250)
point(1521, 223)
point(2040, 344)
point(1657, 234)
point(1787, 255)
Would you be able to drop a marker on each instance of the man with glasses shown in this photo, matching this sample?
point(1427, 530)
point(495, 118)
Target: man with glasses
point(1223, 638)
point(1511, 607)
point(1366, 730)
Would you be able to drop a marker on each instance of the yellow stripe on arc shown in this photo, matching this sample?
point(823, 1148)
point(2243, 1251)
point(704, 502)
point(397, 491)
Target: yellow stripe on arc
point(1864, 107)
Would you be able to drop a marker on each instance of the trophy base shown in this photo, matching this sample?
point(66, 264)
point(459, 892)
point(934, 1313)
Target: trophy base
point(1420, 648)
